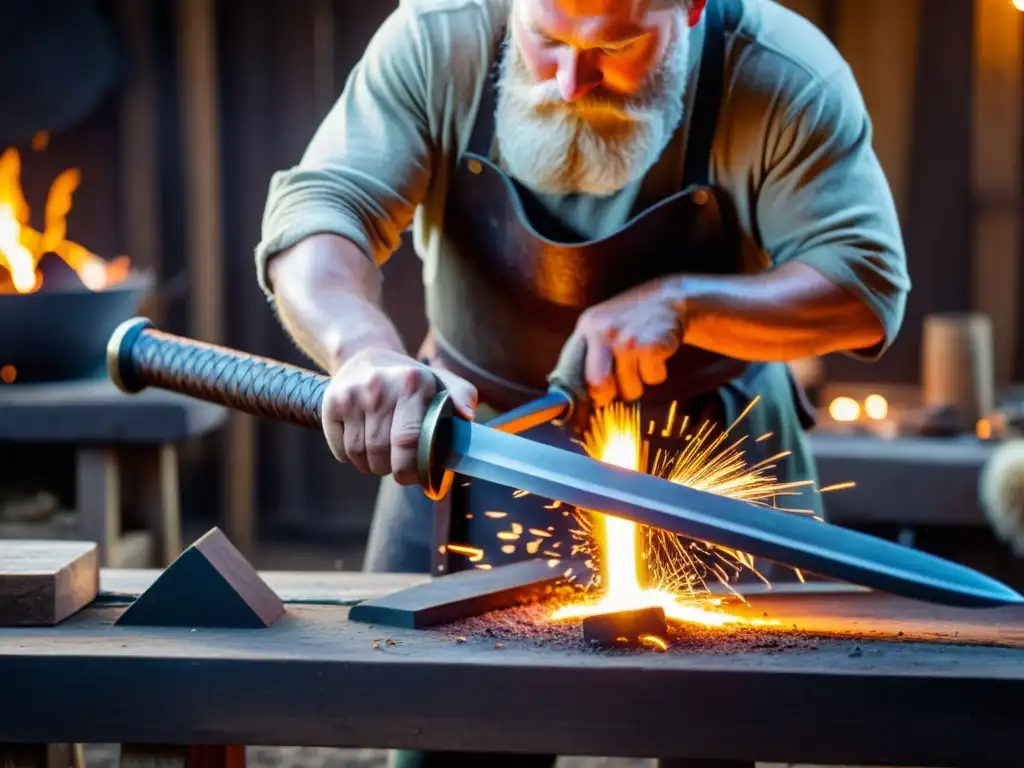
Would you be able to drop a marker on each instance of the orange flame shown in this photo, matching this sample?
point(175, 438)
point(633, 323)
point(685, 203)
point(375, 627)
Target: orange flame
point(22, 247)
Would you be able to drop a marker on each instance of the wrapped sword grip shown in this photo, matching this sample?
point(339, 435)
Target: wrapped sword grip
point(139, 356)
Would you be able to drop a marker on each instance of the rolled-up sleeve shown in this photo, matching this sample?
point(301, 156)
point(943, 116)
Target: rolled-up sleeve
point(369, 163)
point(826, 202)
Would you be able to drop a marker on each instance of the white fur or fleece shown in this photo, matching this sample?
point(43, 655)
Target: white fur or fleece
point(1002, 493)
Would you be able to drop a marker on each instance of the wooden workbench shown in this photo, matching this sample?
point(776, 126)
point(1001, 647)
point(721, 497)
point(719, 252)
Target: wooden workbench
point(932, 687)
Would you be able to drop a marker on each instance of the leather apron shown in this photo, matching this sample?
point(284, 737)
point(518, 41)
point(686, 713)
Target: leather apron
point(509, 288)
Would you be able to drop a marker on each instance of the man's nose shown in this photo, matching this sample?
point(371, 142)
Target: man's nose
point(577, 75)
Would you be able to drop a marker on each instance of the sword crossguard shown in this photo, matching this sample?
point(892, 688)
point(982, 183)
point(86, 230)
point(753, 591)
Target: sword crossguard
point(436, 433)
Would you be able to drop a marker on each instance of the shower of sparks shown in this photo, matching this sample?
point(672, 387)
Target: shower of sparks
point(637, 567)
point(640, 567)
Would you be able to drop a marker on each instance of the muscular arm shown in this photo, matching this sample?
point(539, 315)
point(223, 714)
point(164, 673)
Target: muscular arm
point(824, 216)
point(328, 297)
point(786, 314)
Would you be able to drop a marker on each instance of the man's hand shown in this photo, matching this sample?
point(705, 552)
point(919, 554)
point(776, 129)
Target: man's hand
point(629, 338)
point(373, 410)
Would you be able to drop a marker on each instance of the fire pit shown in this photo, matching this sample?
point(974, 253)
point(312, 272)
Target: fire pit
point(59, 303)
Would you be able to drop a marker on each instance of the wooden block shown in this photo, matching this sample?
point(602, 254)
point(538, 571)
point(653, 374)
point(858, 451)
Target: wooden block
point(209, 585)
point(460, 595)
point(44, 582)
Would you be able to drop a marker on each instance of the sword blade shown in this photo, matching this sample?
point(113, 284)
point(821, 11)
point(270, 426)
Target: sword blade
point(477, 451)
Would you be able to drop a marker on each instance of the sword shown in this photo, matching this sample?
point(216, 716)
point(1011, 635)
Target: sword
point(139, 356)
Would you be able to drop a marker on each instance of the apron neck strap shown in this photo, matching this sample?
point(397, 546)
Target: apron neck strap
point(707, 100)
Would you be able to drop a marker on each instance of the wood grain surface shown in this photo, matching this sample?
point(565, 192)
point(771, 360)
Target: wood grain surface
point(44, 582)
point(869, 697)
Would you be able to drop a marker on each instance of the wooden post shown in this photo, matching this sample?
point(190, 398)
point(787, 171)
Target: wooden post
point(139, 161)
point(996, 173)
point(201, 127)
point(878, 38)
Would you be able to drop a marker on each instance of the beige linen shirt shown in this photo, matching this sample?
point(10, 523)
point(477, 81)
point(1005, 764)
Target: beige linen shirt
point(793, 150)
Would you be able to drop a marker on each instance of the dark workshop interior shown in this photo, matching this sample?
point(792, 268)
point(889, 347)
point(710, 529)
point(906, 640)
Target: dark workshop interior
point(153, 127)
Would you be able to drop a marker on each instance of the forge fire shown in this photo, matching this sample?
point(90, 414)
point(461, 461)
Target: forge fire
point(644, 577)
point(22, 247)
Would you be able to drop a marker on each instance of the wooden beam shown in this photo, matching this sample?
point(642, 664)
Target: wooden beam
point(139, 161)
point(202, 136)
point(878, 38)
point(996, 142)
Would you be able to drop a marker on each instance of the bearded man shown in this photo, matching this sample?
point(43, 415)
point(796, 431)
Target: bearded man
point(684, 189)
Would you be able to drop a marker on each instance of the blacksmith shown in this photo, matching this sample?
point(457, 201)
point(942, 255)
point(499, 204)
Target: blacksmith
point(687, 185)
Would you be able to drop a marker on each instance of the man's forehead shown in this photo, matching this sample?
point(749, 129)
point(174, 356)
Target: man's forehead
point(598, 17)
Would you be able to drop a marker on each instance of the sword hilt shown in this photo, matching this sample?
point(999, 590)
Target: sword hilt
point(139, 356)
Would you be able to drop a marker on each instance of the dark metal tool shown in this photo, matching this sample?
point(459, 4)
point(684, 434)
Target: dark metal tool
point(567, 402)
point(140, 357)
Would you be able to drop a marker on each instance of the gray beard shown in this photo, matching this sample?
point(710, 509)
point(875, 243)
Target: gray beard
point(595, 146)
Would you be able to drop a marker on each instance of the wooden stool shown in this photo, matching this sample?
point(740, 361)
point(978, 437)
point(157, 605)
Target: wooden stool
point(111, 431)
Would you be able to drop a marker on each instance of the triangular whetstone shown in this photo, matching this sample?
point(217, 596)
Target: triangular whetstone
point(210, 585)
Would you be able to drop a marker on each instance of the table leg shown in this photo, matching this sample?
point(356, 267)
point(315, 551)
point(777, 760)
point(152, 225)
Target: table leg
point(180, 756)
point(39, 755)
point(161, 500)
point(98, 499)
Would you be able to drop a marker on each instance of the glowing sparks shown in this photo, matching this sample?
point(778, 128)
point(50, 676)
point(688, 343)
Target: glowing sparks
point(642, 567)
point(475, 554)
point(637, 567)
point(654, 641)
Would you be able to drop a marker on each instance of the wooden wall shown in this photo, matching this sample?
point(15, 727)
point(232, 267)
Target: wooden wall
point(224, 93)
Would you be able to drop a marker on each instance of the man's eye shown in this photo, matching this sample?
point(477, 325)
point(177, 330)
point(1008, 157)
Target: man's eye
point(617, 50)
point(545, 41)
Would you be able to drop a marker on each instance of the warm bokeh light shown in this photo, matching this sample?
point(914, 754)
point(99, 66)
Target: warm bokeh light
point(844, 409)
point(984, 428)
point(875, 406)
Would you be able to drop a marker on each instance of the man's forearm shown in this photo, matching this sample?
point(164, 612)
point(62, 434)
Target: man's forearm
point(792, 312)
point(328, 297)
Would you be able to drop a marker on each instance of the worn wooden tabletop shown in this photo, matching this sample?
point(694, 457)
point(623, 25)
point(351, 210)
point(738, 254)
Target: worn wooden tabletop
point(890, 683)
